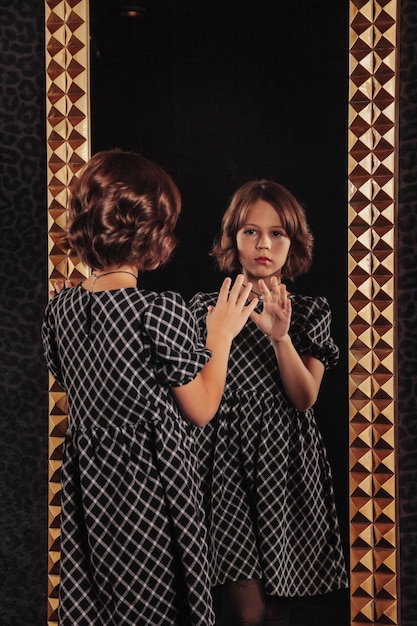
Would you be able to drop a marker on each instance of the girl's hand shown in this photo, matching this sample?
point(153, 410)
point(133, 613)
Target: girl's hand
point(199, 399)
point(275, 318)
point(59, 285)
point(231, 312)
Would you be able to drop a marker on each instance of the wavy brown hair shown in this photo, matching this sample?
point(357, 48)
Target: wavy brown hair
point(293, 219)
point(123, 210)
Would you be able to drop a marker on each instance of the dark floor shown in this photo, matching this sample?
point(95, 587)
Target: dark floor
point(330, 610)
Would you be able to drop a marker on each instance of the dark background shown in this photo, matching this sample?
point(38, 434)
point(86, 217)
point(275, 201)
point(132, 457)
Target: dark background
point(223, 92)
point(213, 129)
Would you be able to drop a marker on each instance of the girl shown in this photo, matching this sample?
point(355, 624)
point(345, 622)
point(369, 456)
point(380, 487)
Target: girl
point(273, 531)
point(136, 376)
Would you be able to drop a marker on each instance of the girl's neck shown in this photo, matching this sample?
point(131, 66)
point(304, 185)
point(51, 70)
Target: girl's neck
point(255, 291)
point(112, 277)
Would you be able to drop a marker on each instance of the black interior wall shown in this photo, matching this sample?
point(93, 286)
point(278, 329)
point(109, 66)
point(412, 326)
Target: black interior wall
point(220, 93)
point(23, 286)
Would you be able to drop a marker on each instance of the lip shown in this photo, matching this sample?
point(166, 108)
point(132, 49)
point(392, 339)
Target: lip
point(263, 260)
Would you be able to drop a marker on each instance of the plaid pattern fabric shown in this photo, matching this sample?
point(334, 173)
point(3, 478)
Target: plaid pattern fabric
point(133, 534)
point(266, 479)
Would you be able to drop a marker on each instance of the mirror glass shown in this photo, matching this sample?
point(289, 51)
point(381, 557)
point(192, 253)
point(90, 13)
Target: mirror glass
point(220, 93)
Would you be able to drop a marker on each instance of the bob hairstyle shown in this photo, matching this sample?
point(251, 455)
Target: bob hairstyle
point(123, 210)
point(293, 219)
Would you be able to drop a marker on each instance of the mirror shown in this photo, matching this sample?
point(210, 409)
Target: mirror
point(224, 92)
point(246, 116)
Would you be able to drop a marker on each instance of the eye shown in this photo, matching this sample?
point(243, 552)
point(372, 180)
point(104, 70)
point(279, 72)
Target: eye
point(277, 233)
point(249, 231)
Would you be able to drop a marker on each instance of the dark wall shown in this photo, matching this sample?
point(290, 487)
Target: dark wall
point(222, 92)
point(23, 284)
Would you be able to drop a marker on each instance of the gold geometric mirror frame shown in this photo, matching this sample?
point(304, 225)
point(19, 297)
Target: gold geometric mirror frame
point(372, 163)
point(68, 146)
point(371, 292)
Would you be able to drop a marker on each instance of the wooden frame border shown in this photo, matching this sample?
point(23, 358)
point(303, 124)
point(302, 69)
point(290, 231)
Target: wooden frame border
point(68, 149)
point(372, 170)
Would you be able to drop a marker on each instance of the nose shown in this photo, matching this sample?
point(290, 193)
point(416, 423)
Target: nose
point(263, 243)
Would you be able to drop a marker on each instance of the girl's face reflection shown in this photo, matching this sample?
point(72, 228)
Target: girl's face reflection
point(262, 243)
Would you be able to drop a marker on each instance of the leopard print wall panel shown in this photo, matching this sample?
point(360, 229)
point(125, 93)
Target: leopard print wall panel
point(23, 280)
point(407, 313)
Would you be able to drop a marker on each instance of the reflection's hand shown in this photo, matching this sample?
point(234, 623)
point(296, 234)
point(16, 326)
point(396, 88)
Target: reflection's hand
point(59, 285)
point(275, 318)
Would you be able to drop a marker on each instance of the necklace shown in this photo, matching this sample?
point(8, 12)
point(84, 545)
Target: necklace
point(259, 295)
point(97, 276)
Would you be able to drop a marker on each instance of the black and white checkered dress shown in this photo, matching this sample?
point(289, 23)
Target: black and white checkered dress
point(266, 478)
point(133, 533)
